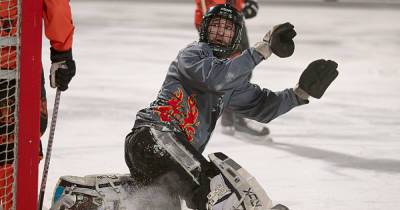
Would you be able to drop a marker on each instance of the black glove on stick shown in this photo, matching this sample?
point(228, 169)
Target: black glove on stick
point(62, 69)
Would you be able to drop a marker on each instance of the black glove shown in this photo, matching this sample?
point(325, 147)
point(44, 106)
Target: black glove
point(281, 40)
point(317, 77)
point(62, 69)
point(250, 8)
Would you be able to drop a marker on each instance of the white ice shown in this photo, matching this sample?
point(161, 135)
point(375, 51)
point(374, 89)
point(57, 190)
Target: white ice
point(340, 152)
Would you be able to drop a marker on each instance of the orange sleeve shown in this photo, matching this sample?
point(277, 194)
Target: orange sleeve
point(239, 5)
point(58, 25)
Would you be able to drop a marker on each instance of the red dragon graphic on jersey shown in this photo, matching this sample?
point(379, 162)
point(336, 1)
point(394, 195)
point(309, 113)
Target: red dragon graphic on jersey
point(174, 110)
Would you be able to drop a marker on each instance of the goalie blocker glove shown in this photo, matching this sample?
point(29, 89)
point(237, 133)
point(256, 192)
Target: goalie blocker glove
point(316, 78)
point(62, 69)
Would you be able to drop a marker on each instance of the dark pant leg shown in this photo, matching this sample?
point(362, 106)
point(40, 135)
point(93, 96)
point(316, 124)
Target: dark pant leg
point(146, 161)
point(43, 113)
point(244, 42)
point(43, 107)
point(228, 116)
point(152, 170)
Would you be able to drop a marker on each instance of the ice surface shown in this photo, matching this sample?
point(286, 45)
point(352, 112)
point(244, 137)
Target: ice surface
point(340, 152)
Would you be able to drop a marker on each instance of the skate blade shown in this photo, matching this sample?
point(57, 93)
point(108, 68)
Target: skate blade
point(228, 130)
point(267, 139)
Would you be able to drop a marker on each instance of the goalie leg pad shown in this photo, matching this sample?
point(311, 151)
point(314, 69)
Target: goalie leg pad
point(92, 192)
point(235, 188)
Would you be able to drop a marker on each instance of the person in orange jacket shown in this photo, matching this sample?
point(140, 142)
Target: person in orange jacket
point(59, 29)
point(233, 124)
point(203, 5)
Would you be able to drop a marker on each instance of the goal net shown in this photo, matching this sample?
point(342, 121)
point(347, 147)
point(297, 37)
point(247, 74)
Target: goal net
point(20, 41)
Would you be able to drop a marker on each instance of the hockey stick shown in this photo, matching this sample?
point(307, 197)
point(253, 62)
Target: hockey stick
point(203, 6)
point(49, 149)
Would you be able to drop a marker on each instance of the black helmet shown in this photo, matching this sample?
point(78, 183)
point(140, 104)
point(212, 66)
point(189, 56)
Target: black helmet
point(229, 13)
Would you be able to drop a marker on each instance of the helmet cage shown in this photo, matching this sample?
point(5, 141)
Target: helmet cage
point(229, 13)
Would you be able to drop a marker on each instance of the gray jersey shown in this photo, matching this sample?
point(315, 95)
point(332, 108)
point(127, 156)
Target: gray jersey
point(198, 86)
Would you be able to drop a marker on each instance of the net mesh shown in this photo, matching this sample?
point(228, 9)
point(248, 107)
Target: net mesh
point(8, 73)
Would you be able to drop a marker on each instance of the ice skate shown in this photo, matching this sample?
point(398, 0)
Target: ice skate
point(280, 207)
point(250, 130)
point(228, 130)
point(239, 127)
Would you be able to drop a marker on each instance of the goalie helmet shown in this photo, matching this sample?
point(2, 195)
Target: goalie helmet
point(227, 14)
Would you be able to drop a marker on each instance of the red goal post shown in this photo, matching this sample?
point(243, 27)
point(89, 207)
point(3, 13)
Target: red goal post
point(20, 75)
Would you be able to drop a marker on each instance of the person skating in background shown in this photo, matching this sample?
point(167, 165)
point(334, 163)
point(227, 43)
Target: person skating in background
point(201, 82)
point(232, 123)
point(59, 29)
